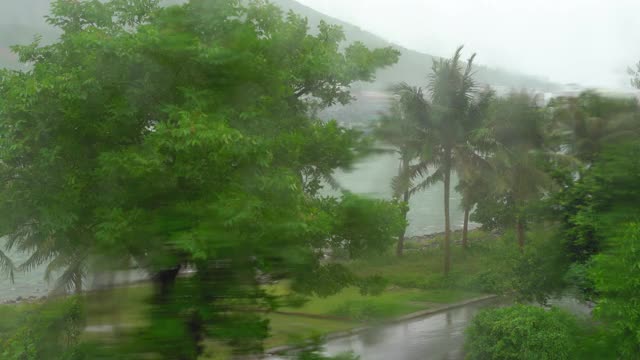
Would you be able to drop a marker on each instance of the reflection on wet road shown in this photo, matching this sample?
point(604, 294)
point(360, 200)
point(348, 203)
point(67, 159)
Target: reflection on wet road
point(435, 337)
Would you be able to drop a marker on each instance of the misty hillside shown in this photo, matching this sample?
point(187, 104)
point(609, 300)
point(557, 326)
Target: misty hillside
point(21, 20)
point(413, 66)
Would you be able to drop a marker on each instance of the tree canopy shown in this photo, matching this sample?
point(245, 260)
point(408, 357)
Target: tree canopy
point(182, 137)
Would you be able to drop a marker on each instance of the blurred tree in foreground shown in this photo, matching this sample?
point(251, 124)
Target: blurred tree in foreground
point(48, 331)
point(180, 137)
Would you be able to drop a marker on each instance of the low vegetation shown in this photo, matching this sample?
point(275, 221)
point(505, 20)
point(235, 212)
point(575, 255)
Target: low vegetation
point(522, 333)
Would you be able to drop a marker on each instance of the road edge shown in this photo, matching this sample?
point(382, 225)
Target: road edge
point(414, 315)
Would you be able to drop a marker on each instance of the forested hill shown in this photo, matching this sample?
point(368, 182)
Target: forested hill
point(21, 20)
point(414, 66)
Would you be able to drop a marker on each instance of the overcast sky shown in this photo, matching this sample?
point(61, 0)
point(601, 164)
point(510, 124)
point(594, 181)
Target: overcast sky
point(590, 42)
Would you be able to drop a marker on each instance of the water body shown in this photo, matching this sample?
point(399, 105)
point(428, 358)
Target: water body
point(372, 177)
point(26, 284)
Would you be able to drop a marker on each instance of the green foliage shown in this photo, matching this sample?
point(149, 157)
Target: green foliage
point(578, 278)
point(517, 124)
point(366, 226)
point(48, 331)
point(615, 274)
point(183, 136)
point(521, 333)
point(372, 285)
point(533, 274)
point(437, 131)
point(494, 211)
point(539, 271)
point(605, 198)
point(365, 309)
point(585, 124)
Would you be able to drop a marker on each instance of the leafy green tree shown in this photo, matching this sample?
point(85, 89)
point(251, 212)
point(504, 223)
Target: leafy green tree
point(605, 236)
point(615, 273)
point(180, 137)
point(583, 127)
point(599, 213)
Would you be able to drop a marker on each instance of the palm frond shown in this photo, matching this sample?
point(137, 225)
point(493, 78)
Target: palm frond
point(331, 181)
point(401, 182)
point(72, 275)
point(38, 257)
point(7, 266)
point(58, 263)
point(428, 181)
point(419, 170)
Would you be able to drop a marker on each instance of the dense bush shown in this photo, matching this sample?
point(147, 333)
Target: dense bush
point(533, 274)
point(521, 333)
point(49, 331)
point(616, 274)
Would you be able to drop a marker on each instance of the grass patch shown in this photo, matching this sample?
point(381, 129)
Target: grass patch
point(287, 329)
point(424, 269)
point(349, 303)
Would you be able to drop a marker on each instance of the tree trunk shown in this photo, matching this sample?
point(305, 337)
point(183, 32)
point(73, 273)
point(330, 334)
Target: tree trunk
point(447, 220)
point(465, 228)
point(400, 247)
point(520, 232)
point(164, 281)
point(77, 284)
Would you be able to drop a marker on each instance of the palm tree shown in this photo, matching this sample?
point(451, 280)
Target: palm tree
point(470, 165)
point(64, 259)
point(7, 266)
point(399, 128)
point(518, 126)
point(451, 88)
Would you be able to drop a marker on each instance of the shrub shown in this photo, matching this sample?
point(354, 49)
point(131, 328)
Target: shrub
point(50, 331)
point(533, 274)
point(521, 333)
point(616, 274)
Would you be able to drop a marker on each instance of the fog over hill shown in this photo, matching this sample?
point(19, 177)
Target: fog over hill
point(21, 20)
